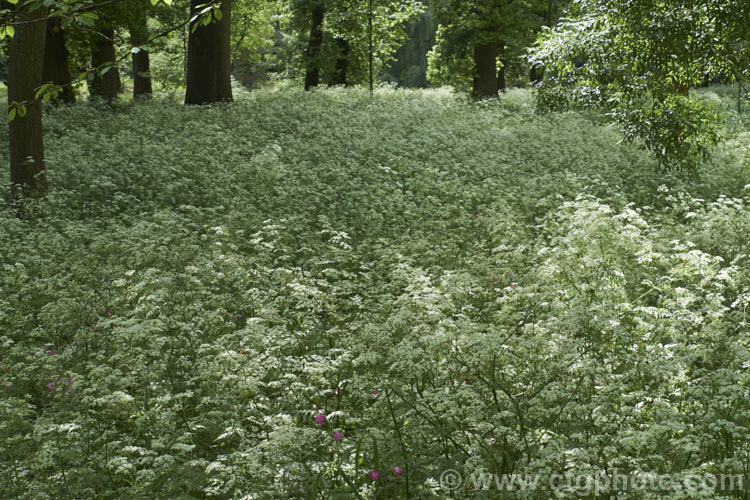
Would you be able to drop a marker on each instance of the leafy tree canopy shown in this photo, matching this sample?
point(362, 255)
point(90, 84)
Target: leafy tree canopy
point(639, 59)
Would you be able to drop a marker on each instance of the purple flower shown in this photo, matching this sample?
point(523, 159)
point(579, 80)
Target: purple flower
point(374, 475)
point(109, 314)
point(94, 325)
point(396, 470)
point(320, 419)
point(239, 315)
point(50, 386)
point(338, 435)
point(375, 392)
point(7, 386)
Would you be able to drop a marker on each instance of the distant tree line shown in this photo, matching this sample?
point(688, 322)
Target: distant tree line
point(55, 46)
point(637, 59)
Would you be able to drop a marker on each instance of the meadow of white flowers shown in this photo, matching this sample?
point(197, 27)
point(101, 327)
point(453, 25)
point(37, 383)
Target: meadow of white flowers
point(332, 295)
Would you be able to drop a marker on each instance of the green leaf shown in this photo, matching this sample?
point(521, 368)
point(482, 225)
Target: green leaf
point(218, 14)
point(41, 90)
point(22, 110)
point(12, 114)
point(87, 18)
point(14, 2)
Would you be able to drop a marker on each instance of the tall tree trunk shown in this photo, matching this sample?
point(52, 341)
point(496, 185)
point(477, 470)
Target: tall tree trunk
point(208, 62)
point(141, 64)
point(25, 66)
point(501, 70)
point(370, 54)
point(103, 58)
point(314, 43)
point(485, 78)
point(56, 62)
point(342, 62)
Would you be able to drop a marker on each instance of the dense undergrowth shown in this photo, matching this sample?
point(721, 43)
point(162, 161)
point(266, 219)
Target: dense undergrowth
point(452, 286)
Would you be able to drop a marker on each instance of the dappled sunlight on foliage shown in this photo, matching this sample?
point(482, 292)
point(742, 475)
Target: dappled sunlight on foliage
point(332, 294)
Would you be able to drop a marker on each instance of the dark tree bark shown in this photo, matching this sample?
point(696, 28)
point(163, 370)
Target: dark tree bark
point(314, 43)
point(536, 75)
point(25, 66)
point(105, 85)
point(370, 54)
point(56, 62)
point(141, 63)
point(501, 70)
point(342, 62)
point(208, 62)
point(485, 78)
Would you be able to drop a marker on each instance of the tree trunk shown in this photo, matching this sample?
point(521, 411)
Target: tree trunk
point(25, 66)
point(56, 62)
point(485, 78)
point(103, 58)
point(342, 62)
point(314, 43)
point(208, 62)
point(536, 75)
point(501, 70)
point(141, 64)
point(739, 92)
point(370, 54)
